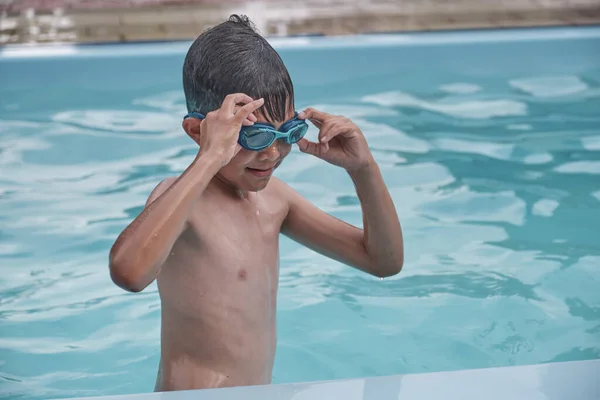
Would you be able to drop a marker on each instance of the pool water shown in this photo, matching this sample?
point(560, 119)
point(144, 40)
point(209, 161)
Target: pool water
point(489, 143)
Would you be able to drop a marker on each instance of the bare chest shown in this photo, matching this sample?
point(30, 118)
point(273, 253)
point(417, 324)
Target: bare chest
point(228, 256)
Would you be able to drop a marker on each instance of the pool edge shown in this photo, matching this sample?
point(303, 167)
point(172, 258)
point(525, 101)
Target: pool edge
point(398, 39)
point(555, 380)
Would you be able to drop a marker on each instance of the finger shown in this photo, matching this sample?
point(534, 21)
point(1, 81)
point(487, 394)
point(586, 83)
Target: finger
point(315, 149)
point(248, 109)
point(333, 131)
point(232, 99)
point(309, 147)
point(326, 130)
point(237, 107)
point(312, 113)
point(248, 121)
point(316, 123)
point(316, 117)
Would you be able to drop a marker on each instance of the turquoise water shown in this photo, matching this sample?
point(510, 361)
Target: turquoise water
point(489, 143)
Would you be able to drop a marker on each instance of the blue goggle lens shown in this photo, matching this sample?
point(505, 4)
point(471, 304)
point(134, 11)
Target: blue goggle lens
point(298, 133)
point(258, 138)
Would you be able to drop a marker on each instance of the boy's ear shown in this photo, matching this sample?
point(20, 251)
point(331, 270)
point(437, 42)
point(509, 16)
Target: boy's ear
point(191, 126)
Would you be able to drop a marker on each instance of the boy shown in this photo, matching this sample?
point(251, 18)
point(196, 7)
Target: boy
point(212, 242)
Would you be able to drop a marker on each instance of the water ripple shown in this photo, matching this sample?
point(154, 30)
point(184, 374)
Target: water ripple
point(494, 178)
point(476, 109)
point(579, 167)
point(117, 120)
point(550, 86)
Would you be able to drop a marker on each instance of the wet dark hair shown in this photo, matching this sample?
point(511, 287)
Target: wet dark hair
point(233, 57)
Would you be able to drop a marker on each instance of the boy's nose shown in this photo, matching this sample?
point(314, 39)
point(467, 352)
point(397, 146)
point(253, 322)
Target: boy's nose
point(271, 153)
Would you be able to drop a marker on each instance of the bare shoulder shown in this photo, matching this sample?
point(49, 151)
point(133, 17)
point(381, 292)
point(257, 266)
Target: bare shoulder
point(160, 189)
point(282, 190)
point(290, 199)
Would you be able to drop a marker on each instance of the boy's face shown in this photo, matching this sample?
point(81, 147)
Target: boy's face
point(252, 170)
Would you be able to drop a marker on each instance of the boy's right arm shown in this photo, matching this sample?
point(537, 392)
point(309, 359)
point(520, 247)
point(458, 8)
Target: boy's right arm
point(141, 249)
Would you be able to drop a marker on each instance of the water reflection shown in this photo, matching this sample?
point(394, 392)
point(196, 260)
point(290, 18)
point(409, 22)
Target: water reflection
point(497, 192)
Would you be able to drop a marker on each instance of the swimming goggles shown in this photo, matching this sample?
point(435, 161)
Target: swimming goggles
point(260, 135)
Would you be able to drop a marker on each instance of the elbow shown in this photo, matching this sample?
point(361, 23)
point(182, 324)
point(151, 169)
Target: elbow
point(387, 272)
point(388, 269)
point(125, 277)
point(125, 281)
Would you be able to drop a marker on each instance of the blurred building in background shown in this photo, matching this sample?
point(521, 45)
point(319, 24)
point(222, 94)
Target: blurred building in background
point(41, 21)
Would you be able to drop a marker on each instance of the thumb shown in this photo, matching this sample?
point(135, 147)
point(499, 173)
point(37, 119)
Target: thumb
point(308, 147)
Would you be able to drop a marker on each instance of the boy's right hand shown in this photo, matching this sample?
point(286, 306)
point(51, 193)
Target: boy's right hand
point(220, 130)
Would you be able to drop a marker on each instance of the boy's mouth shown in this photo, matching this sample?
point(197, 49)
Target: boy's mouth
point(262, 171)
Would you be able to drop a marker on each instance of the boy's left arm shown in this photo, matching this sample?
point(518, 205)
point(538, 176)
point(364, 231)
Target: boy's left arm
point(377, 248)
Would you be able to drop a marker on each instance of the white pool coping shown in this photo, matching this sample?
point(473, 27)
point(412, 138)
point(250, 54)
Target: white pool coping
point(573, 380)
point(519, 35)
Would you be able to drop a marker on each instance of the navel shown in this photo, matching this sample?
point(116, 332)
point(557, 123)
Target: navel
point(242, 274)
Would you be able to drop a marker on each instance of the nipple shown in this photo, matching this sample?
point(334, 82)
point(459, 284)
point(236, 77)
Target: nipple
point(242, 275)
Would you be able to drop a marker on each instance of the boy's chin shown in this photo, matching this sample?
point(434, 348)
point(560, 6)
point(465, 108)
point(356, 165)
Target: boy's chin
point(255, 182)
point(257, 185)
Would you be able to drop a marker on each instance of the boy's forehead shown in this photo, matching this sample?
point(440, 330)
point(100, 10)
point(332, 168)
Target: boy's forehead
point(263, 118)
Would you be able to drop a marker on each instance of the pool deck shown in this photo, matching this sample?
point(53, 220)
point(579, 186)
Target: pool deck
point(85, 21)
point(576, 380)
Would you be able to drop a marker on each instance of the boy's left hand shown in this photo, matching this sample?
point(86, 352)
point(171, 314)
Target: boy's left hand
point(341, 142)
